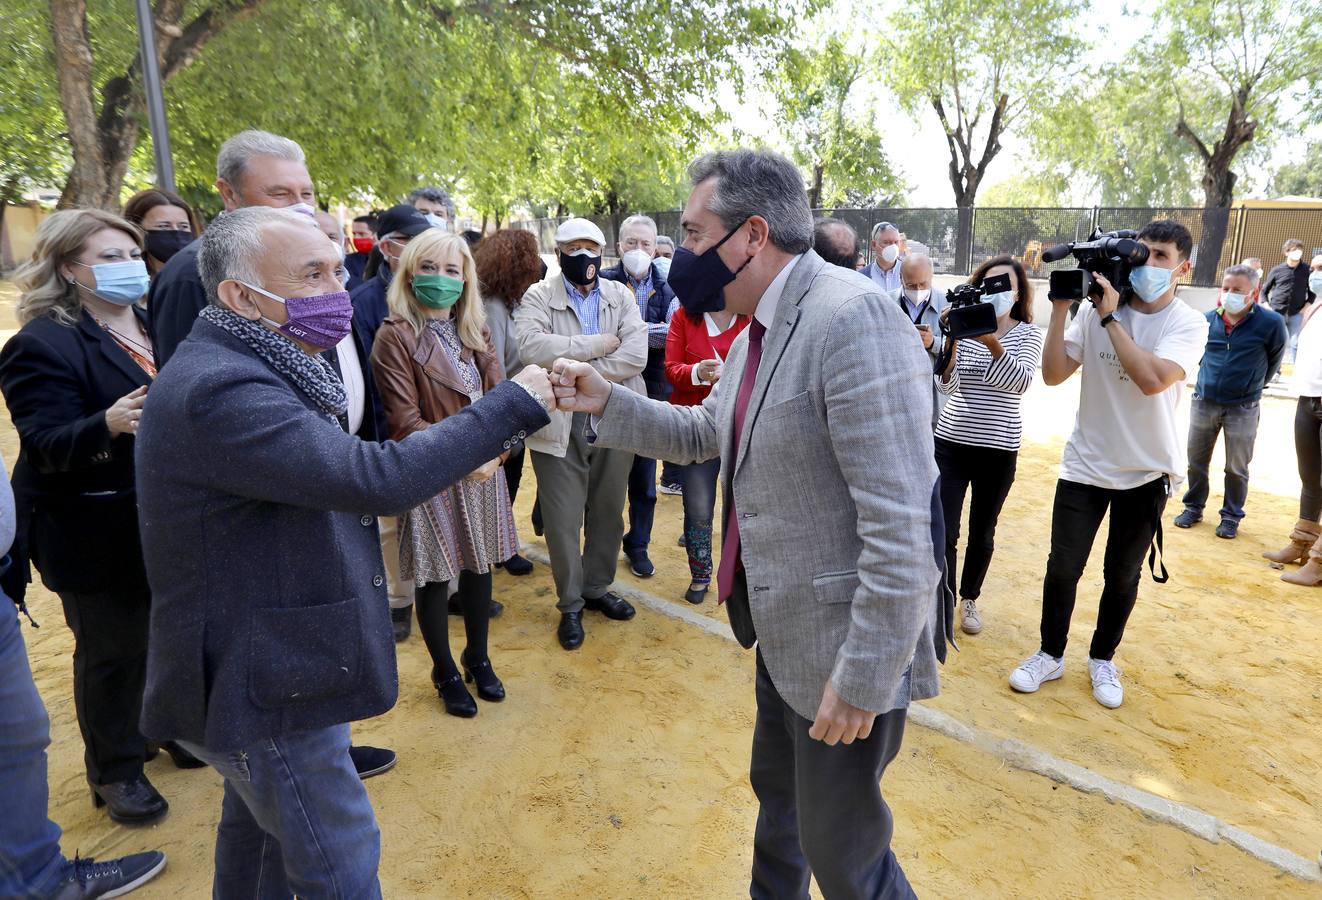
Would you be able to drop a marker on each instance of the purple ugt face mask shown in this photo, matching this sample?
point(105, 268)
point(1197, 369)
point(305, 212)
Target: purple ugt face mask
point(322, 320)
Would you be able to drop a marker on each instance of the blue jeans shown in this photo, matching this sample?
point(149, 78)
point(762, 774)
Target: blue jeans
point(1293, 324)
point(642, 504)
point(31, 864)
point(295, 820)
point(1240, 424)
point(699, 481)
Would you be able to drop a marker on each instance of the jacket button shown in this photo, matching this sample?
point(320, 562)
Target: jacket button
point(377, 581)
point(507, 445)
point(522, 435)
point(366, 521)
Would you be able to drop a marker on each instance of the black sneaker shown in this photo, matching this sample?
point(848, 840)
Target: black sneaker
point(1228, 529)
point(517, 566)
point(639, 564)
point(369, 761)
point(1188, 519)
point(112, 878)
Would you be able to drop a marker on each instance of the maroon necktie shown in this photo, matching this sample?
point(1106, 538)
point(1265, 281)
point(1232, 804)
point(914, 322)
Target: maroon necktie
point(730, 542)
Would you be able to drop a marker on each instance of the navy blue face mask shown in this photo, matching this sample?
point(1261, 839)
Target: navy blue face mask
point(699, 280)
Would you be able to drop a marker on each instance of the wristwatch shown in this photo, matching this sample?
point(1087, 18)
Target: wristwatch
point(1108, 319)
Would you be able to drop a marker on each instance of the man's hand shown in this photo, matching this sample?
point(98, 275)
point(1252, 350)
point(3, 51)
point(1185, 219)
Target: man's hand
point(1109, 302)
point(925, 332)
point(484, 473)
point(579, 387)
point(535, 379)
point(839, 723)
point(612, 343)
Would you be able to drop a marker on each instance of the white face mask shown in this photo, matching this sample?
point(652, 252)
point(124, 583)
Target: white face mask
point(1234, 303)
point(918, 298)
point(891, 253)
point(1295, 255)
point(303, 208)
point(636, 263)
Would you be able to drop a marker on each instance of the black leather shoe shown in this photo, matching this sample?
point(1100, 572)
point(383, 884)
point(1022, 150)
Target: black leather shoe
point(457, 700)
point(369, 761)
point(516, 565)
point(639, 564)
point(611, 605)
point(489, 687)
point(696, 595)
point(113, 878)
point(456, 610)
point(402, 621)
point(132, 802)
point(570, 631)
point(182, 758)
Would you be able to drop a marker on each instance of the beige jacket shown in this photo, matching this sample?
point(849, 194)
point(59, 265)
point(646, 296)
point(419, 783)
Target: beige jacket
point(548, 328)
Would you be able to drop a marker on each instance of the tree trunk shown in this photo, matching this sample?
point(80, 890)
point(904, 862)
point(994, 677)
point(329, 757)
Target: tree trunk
point(1219, 192)
point(500, 217)
point(87, 183)
point(815, 192)
point(484, 223)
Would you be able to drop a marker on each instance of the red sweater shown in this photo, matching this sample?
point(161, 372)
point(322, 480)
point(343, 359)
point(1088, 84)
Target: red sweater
point(689, 344)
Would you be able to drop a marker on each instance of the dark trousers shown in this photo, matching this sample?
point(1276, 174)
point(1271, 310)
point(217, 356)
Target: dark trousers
point(1240, 424)
point(433, 608)
point(671, 473)
point(1078, 512)
point(642, 504)
point(820, 810)
point(699, 481)
point(109, 674)
point(989, 472)
point(1308, 454)
point(514, 471)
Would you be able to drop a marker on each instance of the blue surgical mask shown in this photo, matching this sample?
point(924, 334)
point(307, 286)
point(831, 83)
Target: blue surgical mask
point(121, 283)
point(1003, 302)
point(436, 221)
point(1150, 282)
point(1234, 303)
point(1315, 283)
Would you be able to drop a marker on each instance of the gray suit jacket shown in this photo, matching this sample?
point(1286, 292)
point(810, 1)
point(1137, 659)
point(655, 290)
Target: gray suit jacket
point(833, 481)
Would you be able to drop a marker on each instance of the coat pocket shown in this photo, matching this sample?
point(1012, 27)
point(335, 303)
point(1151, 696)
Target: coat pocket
point(303, 654)
point(795, 404)
point(835, 587)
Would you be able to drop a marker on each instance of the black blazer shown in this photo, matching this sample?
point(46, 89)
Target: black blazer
point(73, 481)
point(174, 299)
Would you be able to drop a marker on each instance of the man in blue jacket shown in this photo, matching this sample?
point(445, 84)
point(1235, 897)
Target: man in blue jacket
point(1245, 345)
point(269, 625)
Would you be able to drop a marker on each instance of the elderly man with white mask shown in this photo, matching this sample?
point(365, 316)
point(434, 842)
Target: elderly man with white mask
point(923, 303)
point(888, 250)
point(656, 304)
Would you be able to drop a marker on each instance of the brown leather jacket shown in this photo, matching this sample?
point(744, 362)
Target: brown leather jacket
point(417, 382)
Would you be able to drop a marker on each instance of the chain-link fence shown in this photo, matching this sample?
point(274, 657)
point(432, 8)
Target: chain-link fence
point(959, 239)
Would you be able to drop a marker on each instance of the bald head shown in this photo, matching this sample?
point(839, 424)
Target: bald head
point(835, 242)
point(916, 272)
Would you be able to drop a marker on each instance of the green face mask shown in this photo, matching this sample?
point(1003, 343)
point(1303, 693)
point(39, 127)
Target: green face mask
point(437, 291)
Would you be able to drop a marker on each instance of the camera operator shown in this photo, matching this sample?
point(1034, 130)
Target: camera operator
point(979, 430)
point(1126, 452)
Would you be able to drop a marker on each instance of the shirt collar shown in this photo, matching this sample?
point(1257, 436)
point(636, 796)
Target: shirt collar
point(766, 307)
point(575, 297)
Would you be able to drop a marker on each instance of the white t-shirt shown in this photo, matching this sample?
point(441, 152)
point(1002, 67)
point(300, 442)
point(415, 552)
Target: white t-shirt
point(1307, 380)
point(1122, 438)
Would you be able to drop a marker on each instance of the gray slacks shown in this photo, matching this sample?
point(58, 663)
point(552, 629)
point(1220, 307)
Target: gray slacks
point(585, 487)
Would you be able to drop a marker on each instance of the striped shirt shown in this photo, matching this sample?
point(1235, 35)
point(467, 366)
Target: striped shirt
point(984, 405)
point(656, 331)
point(588, 308)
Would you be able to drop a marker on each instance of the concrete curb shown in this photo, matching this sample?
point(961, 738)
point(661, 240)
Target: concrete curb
point(1030, 759)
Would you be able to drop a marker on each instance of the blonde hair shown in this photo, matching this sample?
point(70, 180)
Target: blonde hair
point(470, 316)
point(60, 239)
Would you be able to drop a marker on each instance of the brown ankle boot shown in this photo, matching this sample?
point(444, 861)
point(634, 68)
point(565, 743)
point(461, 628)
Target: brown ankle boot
point(1311, 574)
point(1304, 534)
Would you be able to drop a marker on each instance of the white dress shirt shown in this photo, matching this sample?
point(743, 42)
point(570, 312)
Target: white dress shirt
point(351, 373)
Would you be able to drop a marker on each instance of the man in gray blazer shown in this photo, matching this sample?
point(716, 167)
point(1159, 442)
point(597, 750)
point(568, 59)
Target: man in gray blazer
point(829, 561)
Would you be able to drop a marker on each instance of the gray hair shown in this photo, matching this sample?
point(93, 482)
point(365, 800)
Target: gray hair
point(1247, 271)
point(665, 239)
point(236, 153)
point(639, 220)
point(758, 183)
point(914, 259)
point(435, 195)
point(232, 244)
point(882, 226)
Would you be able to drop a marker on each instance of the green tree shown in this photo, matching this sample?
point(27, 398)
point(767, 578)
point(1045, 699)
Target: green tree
point(1029, 189)
point(840, 149)
point(984, 69)
point(1300, 179)
point(30, 123)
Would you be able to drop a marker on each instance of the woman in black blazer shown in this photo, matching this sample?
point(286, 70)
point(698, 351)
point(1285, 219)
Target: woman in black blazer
point(75, 378)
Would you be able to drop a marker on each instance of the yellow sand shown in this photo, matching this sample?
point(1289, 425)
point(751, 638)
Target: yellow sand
point(621, 770)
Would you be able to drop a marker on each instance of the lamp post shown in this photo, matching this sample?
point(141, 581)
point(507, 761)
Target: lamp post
point(151, 85)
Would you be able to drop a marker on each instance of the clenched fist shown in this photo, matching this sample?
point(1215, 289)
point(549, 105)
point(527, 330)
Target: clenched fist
point(536, 380)
point(579, 387)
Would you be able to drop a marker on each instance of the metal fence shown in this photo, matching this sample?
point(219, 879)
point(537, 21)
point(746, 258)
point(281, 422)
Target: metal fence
point(959, 239)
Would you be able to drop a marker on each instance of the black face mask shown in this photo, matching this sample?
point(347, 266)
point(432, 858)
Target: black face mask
point(165, 244)
point(580, 270)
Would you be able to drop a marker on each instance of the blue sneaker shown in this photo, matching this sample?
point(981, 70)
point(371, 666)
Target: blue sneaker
point(114, 878)
point(1188, 519)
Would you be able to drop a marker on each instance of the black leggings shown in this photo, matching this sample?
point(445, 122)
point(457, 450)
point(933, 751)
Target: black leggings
point(1308, 452)
point(432, 602)
point(990, 473)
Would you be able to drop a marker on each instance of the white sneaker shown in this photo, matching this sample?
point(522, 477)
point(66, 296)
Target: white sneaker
point(1035, 671)
point(1106, 683)
point(969, 620)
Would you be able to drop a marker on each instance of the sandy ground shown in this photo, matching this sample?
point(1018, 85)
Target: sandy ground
point(621, 770)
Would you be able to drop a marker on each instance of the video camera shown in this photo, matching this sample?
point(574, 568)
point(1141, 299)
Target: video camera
point(1111, 254)
point(970, 316)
